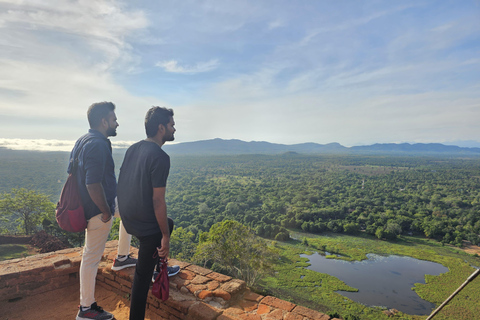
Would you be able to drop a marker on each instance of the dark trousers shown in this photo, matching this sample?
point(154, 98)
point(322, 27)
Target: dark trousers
point(147, 260)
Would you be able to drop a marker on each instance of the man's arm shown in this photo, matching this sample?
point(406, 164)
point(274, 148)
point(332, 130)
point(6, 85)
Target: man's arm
point(96, 192)
point(160, 207)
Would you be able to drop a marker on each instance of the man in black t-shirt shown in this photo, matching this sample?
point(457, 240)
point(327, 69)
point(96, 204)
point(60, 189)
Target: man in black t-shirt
point(141, 199)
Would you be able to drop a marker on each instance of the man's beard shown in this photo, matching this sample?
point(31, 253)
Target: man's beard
point(111, 132)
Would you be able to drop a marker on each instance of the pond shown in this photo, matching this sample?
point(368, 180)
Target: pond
point(381, 280)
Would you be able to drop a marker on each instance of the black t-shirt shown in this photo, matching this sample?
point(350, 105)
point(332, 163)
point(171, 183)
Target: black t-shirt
point(145, 166)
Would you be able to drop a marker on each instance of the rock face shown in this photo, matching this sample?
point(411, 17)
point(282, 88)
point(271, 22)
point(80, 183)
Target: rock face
point(195, 293)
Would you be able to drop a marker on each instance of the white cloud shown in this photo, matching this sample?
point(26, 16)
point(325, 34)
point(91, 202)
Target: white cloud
point(174, 67)
point(50, 144)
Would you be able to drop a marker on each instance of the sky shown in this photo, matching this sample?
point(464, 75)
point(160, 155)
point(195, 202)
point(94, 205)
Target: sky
point(352, 72)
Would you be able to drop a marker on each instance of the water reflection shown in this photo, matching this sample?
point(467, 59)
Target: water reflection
point(382, 281)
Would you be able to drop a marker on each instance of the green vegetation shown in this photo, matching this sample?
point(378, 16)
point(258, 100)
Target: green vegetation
point(13, 251)
point(233, 248)
point(294, 282)
point(421, 205)
point(29, 207)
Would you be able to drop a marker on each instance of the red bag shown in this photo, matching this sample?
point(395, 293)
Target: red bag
point(161, 287)
point(69, 213)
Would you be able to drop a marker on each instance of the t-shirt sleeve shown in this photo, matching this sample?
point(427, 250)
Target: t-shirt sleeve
point(160, 170)
point(94, 161)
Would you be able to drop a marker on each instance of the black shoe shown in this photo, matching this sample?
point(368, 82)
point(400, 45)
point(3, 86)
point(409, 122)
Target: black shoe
point(95, 312)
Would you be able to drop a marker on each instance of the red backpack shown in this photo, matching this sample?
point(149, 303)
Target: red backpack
point(69, 213)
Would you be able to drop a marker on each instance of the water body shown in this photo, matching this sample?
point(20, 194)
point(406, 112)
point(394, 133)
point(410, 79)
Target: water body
point(382, 281)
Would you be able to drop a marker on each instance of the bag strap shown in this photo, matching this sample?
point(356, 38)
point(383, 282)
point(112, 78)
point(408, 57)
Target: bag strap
point(74, 160)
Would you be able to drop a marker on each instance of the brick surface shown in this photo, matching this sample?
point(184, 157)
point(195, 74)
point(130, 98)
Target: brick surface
point(198, 270)
point(222, 294)
point(205, 294)
point(252, 296)
point(196, 287)
point(309, 313)
point(277, 303)
point(219, 277)
point(234, 286)
point(227, 317)
point(248, 316)
point(293, 316)
point(275, 315)
point(263, 309)
point(201, 311)
point(212, 285)
point(186, 275)
point(248, 305)
point(181, 306)
point(200, 280)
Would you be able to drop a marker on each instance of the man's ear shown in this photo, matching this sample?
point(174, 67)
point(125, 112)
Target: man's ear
point(104, 122)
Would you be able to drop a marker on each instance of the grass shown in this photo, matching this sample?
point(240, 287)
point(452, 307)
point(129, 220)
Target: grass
point(295, 283)
point(13, 251)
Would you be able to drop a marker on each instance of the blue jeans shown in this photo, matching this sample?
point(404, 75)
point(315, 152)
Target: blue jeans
point(147, 260)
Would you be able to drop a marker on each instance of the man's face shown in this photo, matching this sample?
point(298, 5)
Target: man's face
point(169, 131)
point(112, 124)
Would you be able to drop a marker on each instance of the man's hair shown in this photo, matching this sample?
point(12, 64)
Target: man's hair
point(98, 111)
point(155, 117)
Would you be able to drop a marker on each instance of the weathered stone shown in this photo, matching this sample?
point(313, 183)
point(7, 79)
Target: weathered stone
point(219, 277)
point(196, 287)
point(187, 275)
point(222, 294)
point(201, 311)
point(199, 280)
point(275, 315)
point(252, 296)
point(198, 270)
point(293, 316)
point(212, 285)
point(309, 313)
point(234, 286)
point(263, 309)
point(277, 303)
point(204, 294)
point(248, 305)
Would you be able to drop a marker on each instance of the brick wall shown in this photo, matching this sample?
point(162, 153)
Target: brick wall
point(195, 293)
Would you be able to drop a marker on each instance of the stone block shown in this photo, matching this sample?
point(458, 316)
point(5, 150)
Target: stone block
point(205, 294)
point(293, 316)
point(252, 296)
point(219, 277)
point(277, 303)
point(275, 315)
point(200, 280)
point(198, 270)
point(186, 275)
point(248, 305)
point(234, 286)
point(309, 313)
point(202, 311)
point(222, 294)
point(263, 309)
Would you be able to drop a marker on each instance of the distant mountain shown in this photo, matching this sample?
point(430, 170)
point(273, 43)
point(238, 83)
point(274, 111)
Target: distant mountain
point(229, 147)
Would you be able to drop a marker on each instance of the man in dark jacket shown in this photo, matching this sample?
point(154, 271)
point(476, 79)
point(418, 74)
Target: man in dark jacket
point(141, 199)
point(97, 187)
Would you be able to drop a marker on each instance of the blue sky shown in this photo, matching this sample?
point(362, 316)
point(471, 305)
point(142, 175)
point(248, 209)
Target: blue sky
point(353, 72)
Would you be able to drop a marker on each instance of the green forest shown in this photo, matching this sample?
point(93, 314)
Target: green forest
point(416, 206)
point(382, 196)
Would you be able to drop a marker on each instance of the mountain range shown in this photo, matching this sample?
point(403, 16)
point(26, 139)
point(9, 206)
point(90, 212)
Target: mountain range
point(230, 147)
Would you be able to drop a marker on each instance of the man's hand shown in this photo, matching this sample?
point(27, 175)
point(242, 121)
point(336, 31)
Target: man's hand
point(164, 250)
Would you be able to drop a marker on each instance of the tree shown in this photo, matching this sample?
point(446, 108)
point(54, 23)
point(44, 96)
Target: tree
point(182, 245)
point(28, 206)
point(234, 248)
